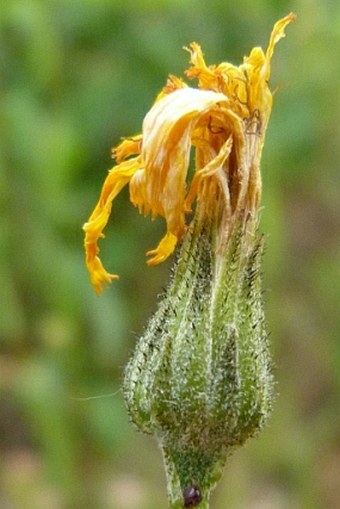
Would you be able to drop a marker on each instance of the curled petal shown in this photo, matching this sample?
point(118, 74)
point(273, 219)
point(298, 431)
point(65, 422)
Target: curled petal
point(278, 33)
point(173, 83)
point(257, 69)
point(164, 249)
point(207, 78)
point(117, 178)
point(128, 147)
point(99, 276)
point(167, 132)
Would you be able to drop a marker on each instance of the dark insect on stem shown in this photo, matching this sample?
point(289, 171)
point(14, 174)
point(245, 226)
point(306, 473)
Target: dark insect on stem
point(192, 495)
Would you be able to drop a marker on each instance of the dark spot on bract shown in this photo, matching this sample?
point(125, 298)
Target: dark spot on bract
point(192, 495)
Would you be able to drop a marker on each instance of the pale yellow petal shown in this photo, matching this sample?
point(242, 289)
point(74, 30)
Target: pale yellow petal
point(137, 188)
point(167, 131)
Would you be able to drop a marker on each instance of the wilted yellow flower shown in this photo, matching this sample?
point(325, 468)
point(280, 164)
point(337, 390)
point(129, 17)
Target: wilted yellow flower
point(225, 120)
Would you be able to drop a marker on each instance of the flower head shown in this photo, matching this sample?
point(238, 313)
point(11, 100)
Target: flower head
point(225, 120)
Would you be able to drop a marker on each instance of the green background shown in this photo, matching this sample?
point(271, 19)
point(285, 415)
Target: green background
point(76, 76)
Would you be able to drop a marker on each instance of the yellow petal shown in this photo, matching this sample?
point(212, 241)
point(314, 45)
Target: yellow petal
point(173, 83)
point(99, 276)
point(164, 249)
point(128, 147)
point(257, 67)
point(278, 33)
point(117, 178)
point(167, 131)
point(207, 78)
point(213, 168)
point(137, 189)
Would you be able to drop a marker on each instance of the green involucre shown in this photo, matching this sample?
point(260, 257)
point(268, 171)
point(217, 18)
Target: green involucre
point(200, 378)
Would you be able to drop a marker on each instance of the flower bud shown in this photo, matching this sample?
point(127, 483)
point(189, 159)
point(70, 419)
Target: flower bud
point(200, 377)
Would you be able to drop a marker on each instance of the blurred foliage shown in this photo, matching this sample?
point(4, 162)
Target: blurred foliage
point(75, 77)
